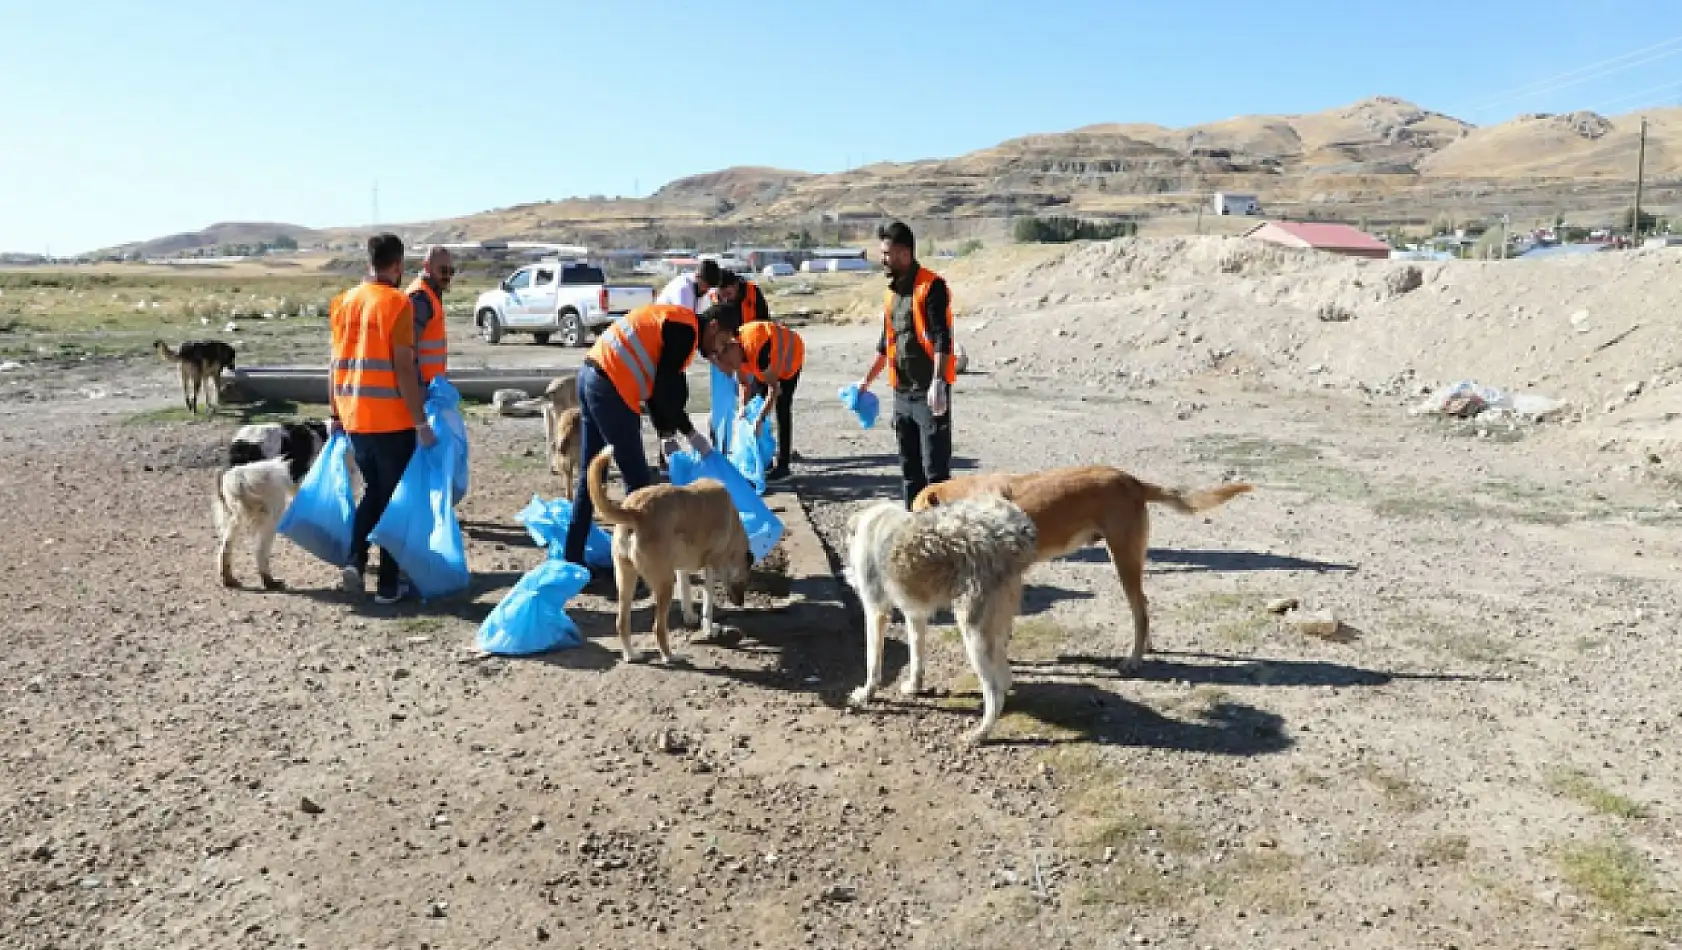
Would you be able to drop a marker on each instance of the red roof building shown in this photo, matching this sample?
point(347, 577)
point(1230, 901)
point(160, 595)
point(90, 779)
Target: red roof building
point(1331, 238)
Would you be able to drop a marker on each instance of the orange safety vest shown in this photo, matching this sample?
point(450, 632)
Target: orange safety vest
point(788, 350)
point(629, 350)
point(920, 321)
point(750, 302)
point(432, 347)
point(364, 380)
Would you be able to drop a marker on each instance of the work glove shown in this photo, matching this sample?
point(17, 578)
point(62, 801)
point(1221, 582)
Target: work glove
point(427, 437)
point(702, 445)
point(670, 446)
point(864, 385)
point(938, 397)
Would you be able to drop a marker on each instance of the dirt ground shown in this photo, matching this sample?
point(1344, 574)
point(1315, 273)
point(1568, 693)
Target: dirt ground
point(1484, 757)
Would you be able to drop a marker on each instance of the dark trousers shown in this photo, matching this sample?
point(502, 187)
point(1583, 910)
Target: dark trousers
point(382, 457)
point(785, 416)
point(604, 420)
point(925, 442)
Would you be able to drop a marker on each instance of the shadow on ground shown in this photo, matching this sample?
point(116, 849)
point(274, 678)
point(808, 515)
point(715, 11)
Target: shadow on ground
point(1192, 561)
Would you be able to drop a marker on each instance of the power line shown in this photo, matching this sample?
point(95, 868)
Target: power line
point(1667, 87)
point(1576, 76)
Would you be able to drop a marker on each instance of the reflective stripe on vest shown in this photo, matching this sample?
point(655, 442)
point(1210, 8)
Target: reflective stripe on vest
point(920, 322)
point(432, 348)
point(787, 349)
point(628, 351)
point(364, 378)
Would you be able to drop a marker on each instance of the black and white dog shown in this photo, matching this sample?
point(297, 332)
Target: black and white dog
point(267, 440)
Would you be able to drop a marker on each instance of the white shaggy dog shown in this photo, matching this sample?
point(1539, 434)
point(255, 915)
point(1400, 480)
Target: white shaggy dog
point(968, 555)
point(251, 498)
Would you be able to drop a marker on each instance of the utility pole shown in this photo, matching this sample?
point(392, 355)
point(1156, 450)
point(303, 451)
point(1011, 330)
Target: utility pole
point(1640, 173)
point(1506, 220)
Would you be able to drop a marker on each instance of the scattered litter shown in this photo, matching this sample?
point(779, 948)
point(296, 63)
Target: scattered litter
point(1320, 623)
point(10, 365)
point(230, 327)
point(1282, 605)
point(515, 402)
point(1467, 399)
point(418, 640)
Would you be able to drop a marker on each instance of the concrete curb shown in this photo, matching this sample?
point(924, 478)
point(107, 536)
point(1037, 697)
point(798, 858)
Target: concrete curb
point(816, 595)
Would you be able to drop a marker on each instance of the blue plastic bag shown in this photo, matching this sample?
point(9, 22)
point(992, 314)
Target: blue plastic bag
point(546, 522)
point(419, 527)
point(861, 403)
point(321, 517)
point(723, 411)
point(762, 525)
point(443, 413)
point(533, 617)
point(751, 452)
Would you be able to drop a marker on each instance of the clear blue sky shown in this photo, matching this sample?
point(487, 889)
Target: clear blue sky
point(124, 120)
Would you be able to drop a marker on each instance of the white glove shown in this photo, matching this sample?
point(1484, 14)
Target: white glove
point(938, 397)
point(864, 385)
point(702, 445)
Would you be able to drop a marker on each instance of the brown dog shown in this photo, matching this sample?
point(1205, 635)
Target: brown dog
point(1077, 506)
point(663, 533)
point(564, 451)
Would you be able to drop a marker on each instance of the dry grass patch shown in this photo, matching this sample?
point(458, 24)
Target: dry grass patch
point(1442, 851)
point(1617, 878)
point(1582, 789)
point(1234, 617)
point(1402, 793)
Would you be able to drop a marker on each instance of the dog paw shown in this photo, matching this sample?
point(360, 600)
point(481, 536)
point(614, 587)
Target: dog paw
point(975, 737)
point(1130, 664)
point(911, 688)
point(861, 696)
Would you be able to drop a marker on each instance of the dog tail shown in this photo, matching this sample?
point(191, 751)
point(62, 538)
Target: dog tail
point(607, 509)
point(218, 504)
point(1192, 502)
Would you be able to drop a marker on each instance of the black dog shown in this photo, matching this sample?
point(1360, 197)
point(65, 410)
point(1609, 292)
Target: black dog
point(201, 363)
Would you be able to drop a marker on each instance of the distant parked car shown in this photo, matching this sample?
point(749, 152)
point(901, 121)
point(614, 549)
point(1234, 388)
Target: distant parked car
point(778, 269)
point(571, 299)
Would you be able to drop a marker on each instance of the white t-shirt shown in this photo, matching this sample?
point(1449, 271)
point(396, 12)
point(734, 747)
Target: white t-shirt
point(680, 291)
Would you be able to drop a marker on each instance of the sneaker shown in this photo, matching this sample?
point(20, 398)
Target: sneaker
point(352, 578)
point(387, 598)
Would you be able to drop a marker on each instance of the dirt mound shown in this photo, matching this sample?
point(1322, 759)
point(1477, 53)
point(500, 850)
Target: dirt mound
point(1599, 330)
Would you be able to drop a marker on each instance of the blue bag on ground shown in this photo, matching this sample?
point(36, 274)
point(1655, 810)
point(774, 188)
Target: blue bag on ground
point(752, 452)
point(546, 522)
point(420, 528)
point(321, 517)
point(532, 618)
point(762, 525)
point(443, 413)
point(723, 408)
point(861, 403)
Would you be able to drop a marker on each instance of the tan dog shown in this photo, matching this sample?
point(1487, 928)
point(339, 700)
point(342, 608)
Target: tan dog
point(663, 533)
point(560, 395)
point(565, 449)
point(1080, 505)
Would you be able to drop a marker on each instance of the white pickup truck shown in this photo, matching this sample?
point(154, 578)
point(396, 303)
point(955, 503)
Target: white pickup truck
point(567, 299)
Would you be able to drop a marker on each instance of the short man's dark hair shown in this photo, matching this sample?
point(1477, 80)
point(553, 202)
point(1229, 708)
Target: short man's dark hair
point(898, 234)
point(727, 316)
point(728, 278)
point(384, 250)
point(708, 271)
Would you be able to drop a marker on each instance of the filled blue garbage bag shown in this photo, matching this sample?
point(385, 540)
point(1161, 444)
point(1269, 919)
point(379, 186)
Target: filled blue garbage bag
point(763, 527)
point(532, 618)
point(723, 410)
point(321, 517)
point(749, 451)
point(420, 528)
point(443, 413)
point(862, 403)
point(546, 522)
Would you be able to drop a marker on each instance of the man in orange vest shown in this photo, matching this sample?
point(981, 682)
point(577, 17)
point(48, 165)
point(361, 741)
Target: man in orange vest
point(376, 397)
point(772, 357)
point(426, 295)
point(638, 362)
point(745, 294)
point(916, 347)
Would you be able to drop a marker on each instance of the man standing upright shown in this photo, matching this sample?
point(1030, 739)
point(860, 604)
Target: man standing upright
point(376, 397)
point(916, 347)
point(426, 296)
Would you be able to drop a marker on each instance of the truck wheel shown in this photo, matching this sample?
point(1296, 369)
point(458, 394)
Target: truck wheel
point(541, 339)
point(490, 327)
point(572, 328)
